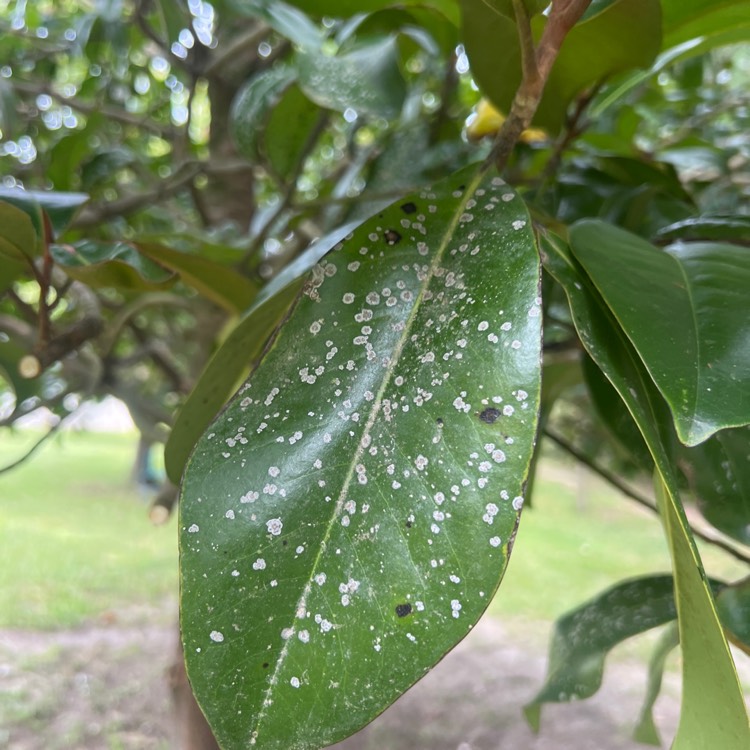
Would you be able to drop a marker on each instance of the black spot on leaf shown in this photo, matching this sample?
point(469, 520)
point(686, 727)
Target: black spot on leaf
point(409, 524)
point(490, 415)
point(265, 665)
point(408, 208)
point(402, 610)
point(440, 422)
point(392, 237)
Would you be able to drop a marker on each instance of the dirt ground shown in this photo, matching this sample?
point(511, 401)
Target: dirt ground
point(103, 687)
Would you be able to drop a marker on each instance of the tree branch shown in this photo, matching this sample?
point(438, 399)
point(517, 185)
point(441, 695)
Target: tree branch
point(563, 16)
point(36, 88)
point(628, 491)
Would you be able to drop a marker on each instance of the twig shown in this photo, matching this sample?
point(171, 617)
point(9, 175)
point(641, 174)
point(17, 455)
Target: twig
point(95, 213)
point(112, 113)
point(628, 491)
point(52, 430)
point(236, 46)
point(536, 69)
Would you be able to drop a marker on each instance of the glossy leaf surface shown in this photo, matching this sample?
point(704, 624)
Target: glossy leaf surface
point(583, 638)
point(713, 710)
point(238, 353)
point(367, 79)
point(348, 517)
point(59, 207)
point(686, 310)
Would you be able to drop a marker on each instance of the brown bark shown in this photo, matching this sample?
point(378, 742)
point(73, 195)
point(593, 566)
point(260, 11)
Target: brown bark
point(191, 728)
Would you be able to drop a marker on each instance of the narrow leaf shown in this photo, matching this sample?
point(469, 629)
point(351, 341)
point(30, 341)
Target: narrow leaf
point(215, 281)
point(687, 312)
point(713, 710)
point(583, 638)
point(348, 517)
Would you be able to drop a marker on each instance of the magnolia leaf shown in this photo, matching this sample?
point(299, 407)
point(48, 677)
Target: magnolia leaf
point(583, 638)
point(366, 79)
point(238, 352)
point(713, 709)
point(687, 312)
point(349, 515)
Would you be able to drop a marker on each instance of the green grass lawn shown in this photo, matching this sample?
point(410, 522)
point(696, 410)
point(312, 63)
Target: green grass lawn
point(76, 542)
point(75, 538)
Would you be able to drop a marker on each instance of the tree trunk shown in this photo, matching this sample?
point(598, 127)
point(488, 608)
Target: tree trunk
point(191, 728)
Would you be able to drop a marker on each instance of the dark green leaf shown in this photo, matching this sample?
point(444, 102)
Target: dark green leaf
point(253, 104)
point(116, 264)
point(346, 8)
point(687, 311)
point(718, 474)
point(733, 604)
point(583, 638)
point(348, 517)
point(367, 79)
point(713, 711)
point(288, 129)
point(624, 34)
point(645, 730)
point(694, 19)
point(725, 228)
point(59, 207)
point(222, 285)
point(238, 352)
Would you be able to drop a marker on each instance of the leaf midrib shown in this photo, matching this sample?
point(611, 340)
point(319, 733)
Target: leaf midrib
point(374, 411)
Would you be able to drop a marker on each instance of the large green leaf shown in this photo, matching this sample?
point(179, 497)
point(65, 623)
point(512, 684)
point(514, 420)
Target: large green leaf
point(350, 514)
point(583, 638)
point(695, 19)
point(713, 710)
point(718, 474)
point(366, 79)
point(686, 310)
point(617, 36)
point(238, 352)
